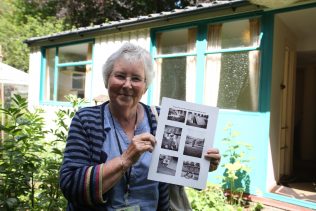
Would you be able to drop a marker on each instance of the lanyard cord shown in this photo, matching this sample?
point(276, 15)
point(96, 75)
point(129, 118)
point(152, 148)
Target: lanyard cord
point(127, 174)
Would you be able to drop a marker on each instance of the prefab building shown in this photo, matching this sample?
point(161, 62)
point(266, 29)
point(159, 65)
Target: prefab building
point(254, 61)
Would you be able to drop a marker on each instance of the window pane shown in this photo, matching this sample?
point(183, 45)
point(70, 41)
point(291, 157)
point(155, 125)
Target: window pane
point(75, 53)
point(49, 76)
point(175, 41)
point(237, 90)
point(173, 78)
point(242, 33)
point(71, 80)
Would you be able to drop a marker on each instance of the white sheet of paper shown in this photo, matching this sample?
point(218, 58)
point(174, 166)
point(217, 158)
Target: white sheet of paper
point(184, 133)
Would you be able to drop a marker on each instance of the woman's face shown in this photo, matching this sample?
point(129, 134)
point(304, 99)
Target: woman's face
point(126, 84)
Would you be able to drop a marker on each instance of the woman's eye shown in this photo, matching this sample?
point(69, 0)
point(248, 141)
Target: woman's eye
point(120, 77)
point(136, 79)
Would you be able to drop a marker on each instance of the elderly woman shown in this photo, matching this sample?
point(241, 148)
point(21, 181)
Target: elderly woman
point(109, 146)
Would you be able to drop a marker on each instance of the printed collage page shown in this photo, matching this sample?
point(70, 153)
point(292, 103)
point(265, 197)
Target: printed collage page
point(185, 131)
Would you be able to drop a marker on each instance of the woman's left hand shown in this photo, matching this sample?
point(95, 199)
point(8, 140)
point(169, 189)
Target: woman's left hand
point(214, 157)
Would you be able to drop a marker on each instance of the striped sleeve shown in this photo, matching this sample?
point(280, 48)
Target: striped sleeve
point(80, 180)
point(93, 185)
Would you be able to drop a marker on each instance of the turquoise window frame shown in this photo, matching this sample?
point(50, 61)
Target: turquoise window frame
point(58, 65)
point(201, 49)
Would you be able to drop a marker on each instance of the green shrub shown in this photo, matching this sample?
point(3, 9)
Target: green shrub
point(210, 199)
point(20, 154)
point(49, 194)
point(236, 179)
point(29, 163)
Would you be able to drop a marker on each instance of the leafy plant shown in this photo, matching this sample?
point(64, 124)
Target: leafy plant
point(20, 154)
point(236, 179)
point(29, 160)
point(50, 196)
point(210, 199)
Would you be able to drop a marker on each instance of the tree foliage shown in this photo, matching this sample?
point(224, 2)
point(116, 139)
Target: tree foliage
point(81, 13)
point(21, 19)
point(17, 24)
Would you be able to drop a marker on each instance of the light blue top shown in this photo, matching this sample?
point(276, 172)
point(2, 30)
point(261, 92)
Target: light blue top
point(143, 192)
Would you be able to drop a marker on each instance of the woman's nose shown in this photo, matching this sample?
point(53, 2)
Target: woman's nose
point(128, 82)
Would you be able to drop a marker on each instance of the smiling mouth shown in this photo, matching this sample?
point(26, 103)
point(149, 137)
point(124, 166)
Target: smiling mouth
point(126, 95)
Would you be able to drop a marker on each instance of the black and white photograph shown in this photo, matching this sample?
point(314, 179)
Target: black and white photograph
point(190, 170)
point(171, 138)
point(184, 131)
point(176, 115)
point(193, 146)
point(197, 120)
point(167, 164)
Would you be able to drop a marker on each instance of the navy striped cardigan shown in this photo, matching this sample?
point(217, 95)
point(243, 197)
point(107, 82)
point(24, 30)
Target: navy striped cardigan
point(81, 170)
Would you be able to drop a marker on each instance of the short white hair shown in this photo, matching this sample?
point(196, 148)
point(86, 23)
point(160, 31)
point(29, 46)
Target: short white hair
point(132, 53)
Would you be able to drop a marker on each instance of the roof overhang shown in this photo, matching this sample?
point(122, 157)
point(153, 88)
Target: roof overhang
point(141, 20)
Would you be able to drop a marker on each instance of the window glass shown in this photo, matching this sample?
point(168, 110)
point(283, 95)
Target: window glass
point(49, 76)
point(175, 41)
point(173, 78)
point(176, 74)
point(238, 86)
point(232, 78)
point(234, 34)
point(65, 72)
point(71, 80)
point(74, 53)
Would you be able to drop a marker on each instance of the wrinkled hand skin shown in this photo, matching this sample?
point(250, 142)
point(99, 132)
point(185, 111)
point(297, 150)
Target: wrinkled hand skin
point(214, 157)
point(139, 144)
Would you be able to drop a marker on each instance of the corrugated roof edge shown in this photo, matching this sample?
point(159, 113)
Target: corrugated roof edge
point(213, 6)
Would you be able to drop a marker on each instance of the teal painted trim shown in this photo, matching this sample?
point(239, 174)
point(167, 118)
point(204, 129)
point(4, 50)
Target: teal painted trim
point(230, 50)
point(174, 55)
point(152, 50)
point(267, 25)
point(201, 46)
point(43, 74)
point(290, 200)
point(246, 124)
point(56, 76)
point(70, 43)
point(57, 65)
point(61, 103)
point(56, 103)
point(81, 63)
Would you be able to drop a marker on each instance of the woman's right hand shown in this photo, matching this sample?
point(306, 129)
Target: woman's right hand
point(139, 144)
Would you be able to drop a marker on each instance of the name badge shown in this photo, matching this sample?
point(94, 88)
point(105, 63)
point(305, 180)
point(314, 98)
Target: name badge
point(129, 208)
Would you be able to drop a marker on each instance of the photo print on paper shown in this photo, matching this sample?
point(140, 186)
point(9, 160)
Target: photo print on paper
point(193, 146)
point(190, 170)
point(197, 120)
point(171, 138)
point(176, 115)
point(167, 164)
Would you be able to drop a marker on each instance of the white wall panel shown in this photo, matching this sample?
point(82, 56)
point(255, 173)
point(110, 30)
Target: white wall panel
point(34, 77)
point(105, 46)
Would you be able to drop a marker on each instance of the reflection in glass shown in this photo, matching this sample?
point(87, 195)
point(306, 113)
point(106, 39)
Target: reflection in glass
point(50, 69)
point(175, 41)
point(75, 53)
point(236, 34)
point(71, 80)
point(173, 78)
